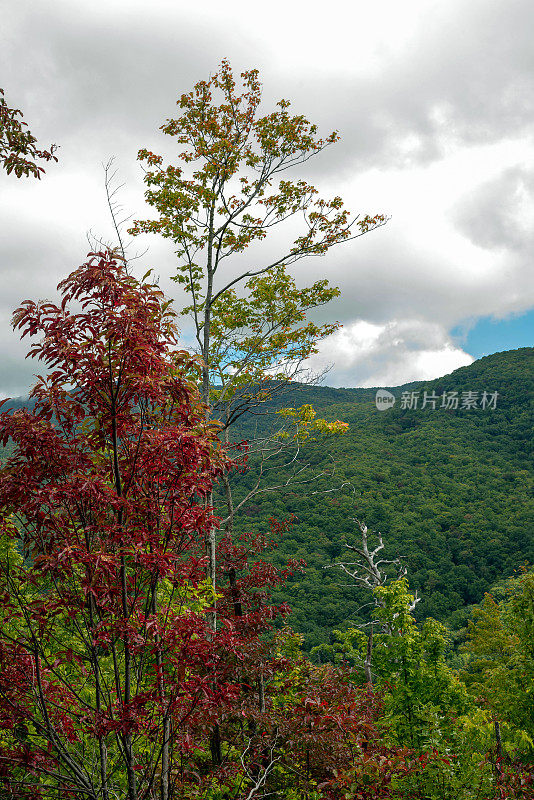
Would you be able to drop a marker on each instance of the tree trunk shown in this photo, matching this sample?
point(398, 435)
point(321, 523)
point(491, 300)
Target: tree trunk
point(368, 659)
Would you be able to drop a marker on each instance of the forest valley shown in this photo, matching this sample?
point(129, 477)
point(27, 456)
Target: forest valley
point(146, 651)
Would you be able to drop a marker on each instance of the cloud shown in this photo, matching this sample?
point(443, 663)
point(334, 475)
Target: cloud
point(100, 79)
point(460, 75)
point(365, 354)
point(435, 105)
point(498, 214)
point(400, 81)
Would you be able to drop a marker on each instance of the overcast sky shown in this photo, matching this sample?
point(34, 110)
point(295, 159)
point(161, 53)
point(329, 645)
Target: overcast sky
point(434, 100)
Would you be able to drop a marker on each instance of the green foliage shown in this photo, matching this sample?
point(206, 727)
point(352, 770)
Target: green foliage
point(228, 190)
point(409, 665)
point(422, 692)
point(452, 492)
point(426, 707)
point(500, 668)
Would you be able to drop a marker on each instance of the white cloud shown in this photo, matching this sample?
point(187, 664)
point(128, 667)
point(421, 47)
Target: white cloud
point(365, 354)
point(434, 102)
point(498, 213)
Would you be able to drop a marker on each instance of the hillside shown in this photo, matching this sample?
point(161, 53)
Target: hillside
point(451, 490)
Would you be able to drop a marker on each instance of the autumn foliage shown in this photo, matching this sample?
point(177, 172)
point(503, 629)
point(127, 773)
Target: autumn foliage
point(101, 606)
point(111, 680)
point(18, 150)
point(141, 654)
point(229, 190)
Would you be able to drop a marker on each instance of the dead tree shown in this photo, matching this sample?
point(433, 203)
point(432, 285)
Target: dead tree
point(370, 571)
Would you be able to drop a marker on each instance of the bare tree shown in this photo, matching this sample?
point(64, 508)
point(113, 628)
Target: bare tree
point(120, 245)
point(370, 571)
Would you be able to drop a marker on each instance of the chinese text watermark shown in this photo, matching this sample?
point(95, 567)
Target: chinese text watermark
point(464, 401)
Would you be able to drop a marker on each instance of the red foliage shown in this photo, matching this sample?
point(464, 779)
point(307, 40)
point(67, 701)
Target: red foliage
point(104, 641)
point(17, 144)
point(515, 782)
point(112, 683)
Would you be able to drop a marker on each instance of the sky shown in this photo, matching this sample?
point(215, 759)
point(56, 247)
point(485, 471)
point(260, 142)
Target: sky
point(434, 102)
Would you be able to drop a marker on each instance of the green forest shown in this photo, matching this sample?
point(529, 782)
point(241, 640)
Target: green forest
point(450, 490)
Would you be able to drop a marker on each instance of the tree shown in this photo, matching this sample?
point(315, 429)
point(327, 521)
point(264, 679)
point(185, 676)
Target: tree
point(111, 678)
point(106, 657)
point(18, 151)
point(500, 667)
point(372, 571)
point(425, 707)
point(231, 192)
point(333, 747)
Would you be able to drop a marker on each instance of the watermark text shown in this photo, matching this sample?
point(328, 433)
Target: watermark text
point(463, 401)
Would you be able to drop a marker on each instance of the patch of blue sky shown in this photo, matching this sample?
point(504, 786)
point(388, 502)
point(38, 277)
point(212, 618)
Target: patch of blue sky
point(491, 335)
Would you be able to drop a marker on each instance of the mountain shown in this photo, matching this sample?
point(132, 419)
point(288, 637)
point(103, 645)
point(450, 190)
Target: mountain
point(451, 490)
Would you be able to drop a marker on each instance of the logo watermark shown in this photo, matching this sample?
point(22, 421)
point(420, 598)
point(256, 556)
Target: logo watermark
point(384, 400)
point(464, 401)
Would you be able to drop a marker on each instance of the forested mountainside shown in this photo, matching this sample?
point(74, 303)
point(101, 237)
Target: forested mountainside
point(451, 490)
